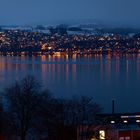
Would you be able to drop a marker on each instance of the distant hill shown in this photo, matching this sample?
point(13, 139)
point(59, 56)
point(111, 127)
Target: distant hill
point(118, 30)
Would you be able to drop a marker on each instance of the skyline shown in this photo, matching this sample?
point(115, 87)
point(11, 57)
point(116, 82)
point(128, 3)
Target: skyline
point(29, 12)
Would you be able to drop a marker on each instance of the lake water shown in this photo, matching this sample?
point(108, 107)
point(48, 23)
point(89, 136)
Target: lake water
point(103, 77)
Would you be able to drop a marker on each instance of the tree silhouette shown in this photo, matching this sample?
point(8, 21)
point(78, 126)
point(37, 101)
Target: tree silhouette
point(33, 112)
point(23, 101)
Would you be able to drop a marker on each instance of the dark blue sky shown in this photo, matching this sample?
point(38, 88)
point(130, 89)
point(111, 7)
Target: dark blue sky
point(123, 12)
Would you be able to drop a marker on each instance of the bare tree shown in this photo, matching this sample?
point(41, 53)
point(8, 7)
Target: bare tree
point(29, 109)
point(81, 112)
point(22, 104)
point(68, 114)
point(2, 121)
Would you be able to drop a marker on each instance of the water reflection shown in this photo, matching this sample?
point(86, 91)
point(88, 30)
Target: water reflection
point(103, 77)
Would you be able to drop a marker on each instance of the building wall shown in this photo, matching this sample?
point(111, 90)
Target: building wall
point(129, 135)
point(88, 133)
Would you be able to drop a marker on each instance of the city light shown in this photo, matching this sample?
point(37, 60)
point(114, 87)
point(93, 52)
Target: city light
point(125, 121)
point(138, 121)
point(112, 122)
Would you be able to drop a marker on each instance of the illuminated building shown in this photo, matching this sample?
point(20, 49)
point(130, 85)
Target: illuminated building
point(121, 126)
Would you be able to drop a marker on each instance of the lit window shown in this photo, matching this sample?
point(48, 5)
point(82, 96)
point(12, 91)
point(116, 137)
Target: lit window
point(102, 135)
point(93, 139)
point(137, 121)
point(125, 121)
point(112, 122)
point(127, 138)
point(121, 138)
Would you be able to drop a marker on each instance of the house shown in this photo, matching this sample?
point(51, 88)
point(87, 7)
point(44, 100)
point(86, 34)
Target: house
point(115, 126)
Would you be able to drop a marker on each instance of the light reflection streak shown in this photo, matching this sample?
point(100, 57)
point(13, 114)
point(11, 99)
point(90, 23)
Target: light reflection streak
point(74, 72)
point(65, 69)
point(117, 62)
point(127, 69)
point(67, 72)
point(43, 58)
point(108, 68)
point(53, 71)
point(102, 69)
point(43, 70)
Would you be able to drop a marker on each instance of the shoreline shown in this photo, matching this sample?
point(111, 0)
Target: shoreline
point(64, 53)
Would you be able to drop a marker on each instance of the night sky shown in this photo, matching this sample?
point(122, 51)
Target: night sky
point(28, 12)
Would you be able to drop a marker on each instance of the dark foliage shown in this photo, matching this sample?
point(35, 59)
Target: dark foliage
point(34, 114)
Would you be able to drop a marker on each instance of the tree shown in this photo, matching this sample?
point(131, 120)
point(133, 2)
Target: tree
point(23, 101)
point(2, 122)
point(66, 115)
point(30, 110)
point(81, 112)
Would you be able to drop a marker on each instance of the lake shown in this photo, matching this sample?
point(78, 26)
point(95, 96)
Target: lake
point(102, 77)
